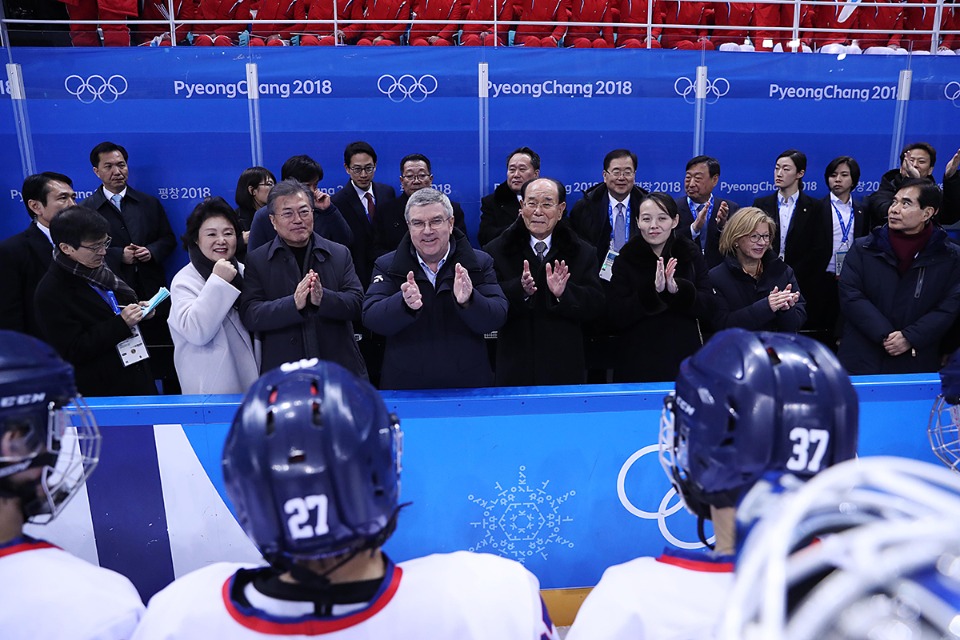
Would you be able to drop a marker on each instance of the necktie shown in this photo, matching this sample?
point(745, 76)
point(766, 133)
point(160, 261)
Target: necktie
point(115, 199)
point(619, 228)
point(541, 249)
point(371, 206)
point(703, 229)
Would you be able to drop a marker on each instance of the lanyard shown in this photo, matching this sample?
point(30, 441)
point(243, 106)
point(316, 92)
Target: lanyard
point(709, 203)
point(626, 221)
point(844, 229)
point(108, 297)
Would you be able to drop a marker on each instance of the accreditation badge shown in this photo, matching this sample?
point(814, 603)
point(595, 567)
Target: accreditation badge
point(133, 350)
point(606, 269)
point(840, 255)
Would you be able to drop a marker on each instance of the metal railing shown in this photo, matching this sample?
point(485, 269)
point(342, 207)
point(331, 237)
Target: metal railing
point(795, 31)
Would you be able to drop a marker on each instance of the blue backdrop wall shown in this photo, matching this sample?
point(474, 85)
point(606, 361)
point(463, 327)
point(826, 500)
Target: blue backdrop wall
point(184, 116)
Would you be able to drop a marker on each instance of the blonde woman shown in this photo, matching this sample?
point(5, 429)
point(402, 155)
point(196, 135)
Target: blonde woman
point(753, 288)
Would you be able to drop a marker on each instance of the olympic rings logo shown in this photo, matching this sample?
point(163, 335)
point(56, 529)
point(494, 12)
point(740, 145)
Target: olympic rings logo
point(687, 89)
point(407, 86)
point(664, 510)
point(96, 87)
point(952, 92)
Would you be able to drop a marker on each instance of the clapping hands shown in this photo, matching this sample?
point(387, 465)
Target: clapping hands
point(527, 283)
point(308, 288)
point(557, 276)
point(462, 285)
point(665, 276)
point(411, 292)
point(783, 300)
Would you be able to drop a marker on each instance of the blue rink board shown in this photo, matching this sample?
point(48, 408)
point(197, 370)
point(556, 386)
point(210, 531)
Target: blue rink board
point(565, 480)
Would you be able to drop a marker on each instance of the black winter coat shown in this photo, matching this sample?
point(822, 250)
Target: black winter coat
point(875, 300)
point(267, 306)
point(542, 340)
point(741, 300)
point(658, 330)
point(498, 211)
point(441, 345)
point(85, 331)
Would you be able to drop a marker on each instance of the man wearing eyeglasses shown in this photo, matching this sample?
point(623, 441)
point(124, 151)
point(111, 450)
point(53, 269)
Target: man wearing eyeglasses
point(549, 275)
point(434, 298)
point(300, 291)
point(605, 217)
point(898, 289)
point(359, 201)
point(88, 314)
point(389, 226)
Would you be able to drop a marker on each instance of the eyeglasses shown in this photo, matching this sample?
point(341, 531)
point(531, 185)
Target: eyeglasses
point(416, 177)
point(622, 173)
point(100, 246)
point(286, 216)
point(364, 170)
point(433, 223)
point(759, 238)
point(546, 207)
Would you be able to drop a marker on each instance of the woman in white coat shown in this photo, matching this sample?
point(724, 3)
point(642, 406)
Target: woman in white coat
point(213, 351)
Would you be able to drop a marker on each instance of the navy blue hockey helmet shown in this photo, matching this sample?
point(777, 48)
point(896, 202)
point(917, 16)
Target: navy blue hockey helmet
point(49, 440)
point(312, 463)
point(748, 403)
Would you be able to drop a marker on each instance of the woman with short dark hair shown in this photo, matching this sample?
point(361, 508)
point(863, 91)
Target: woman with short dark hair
point(212, 350)
point(658, 292)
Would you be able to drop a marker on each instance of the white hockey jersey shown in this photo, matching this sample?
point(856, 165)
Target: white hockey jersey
point(678, 596)
point(50, 594)
point(460, 596)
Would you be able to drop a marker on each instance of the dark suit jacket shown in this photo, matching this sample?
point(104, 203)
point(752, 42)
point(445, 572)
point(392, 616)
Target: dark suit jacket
point(143, 222)
point(821, 291)
point(712, 253)
point(590, 217)
point(498, 211)
point(389, 226)
point(353, 212)
point(83, 328)
point(24, 259)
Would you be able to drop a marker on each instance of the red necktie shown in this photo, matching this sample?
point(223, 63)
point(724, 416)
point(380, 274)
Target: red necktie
point(371, 207)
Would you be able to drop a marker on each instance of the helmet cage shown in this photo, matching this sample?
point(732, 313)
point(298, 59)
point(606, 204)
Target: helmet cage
point(62, 441)
point(944, 432)
point(885, 556)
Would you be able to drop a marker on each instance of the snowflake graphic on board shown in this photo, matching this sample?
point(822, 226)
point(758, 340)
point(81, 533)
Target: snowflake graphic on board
point(523, 520)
